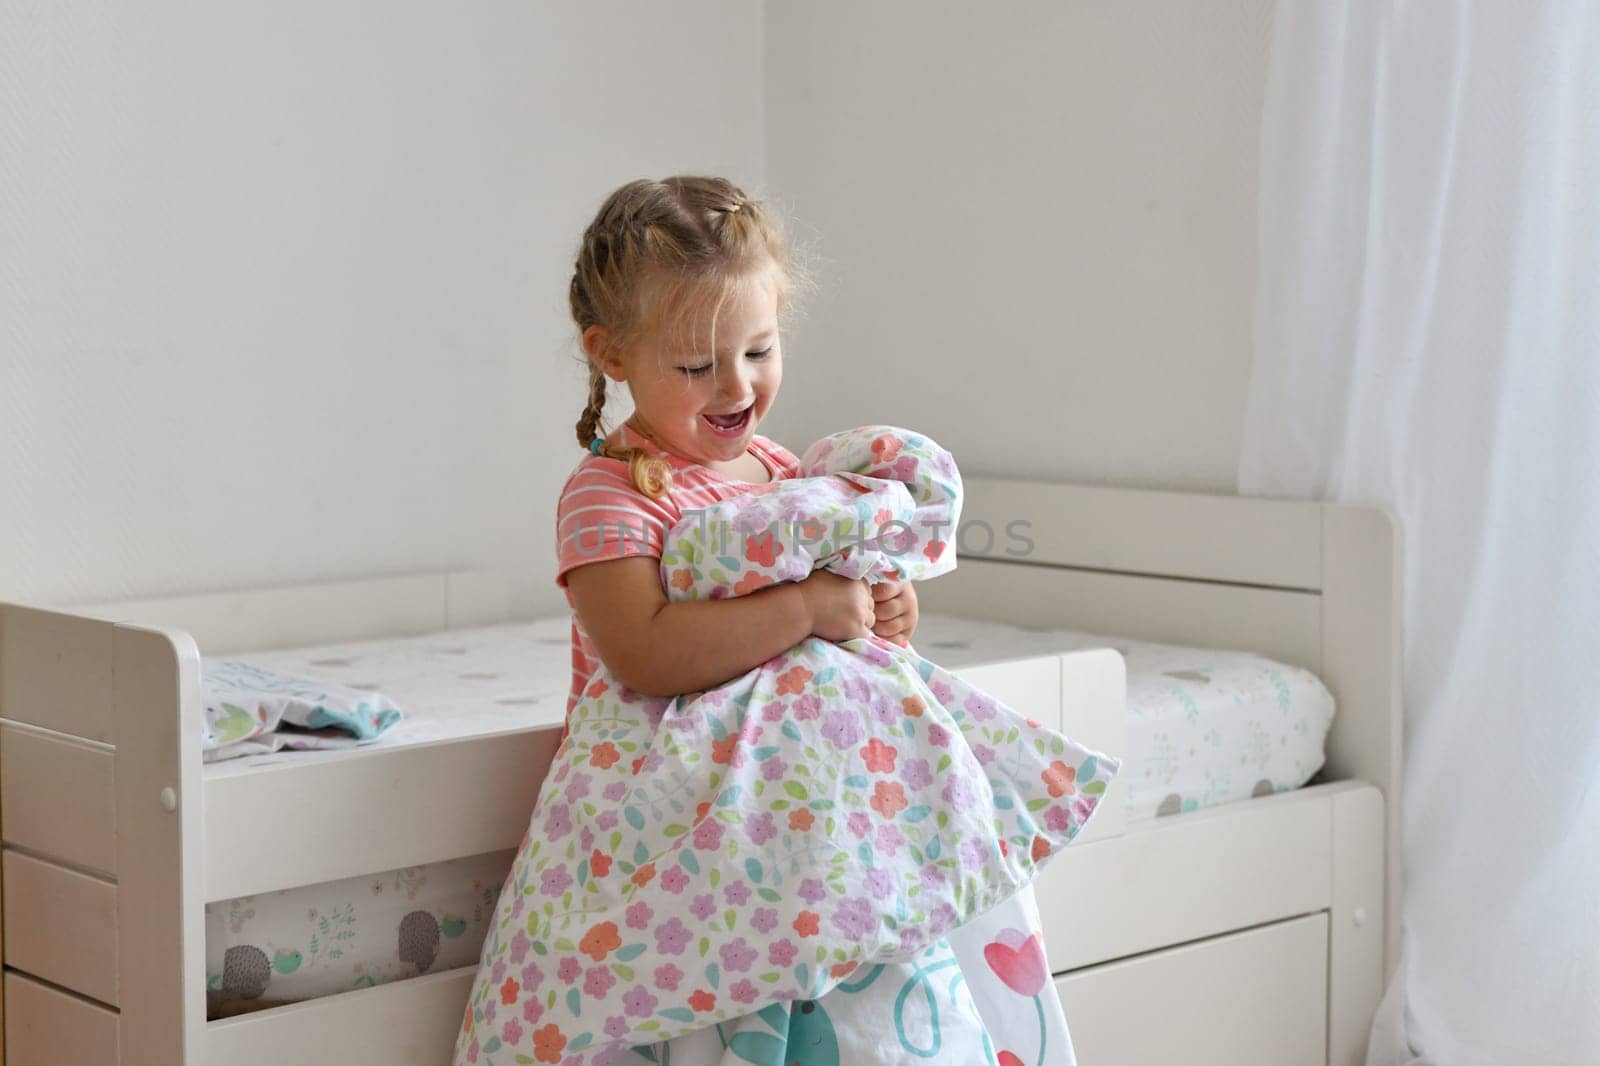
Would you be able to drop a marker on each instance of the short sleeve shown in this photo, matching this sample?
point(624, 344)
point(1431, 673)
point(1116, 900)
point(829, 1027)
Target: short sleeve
point(601, 517)
point(783, 462)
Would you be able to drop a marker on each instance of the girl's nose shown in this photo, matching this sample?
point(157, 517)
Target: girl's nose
point(734, 383)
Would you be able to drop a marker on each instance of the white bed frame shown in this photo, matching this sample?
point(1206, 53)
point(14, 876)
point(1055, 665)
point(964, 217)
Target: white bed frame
point(1259, 932)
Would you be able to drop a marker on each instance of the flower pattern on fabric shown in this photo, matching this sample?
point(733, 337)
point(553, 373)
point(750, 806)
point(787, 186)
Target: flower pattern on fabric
point(691, 859)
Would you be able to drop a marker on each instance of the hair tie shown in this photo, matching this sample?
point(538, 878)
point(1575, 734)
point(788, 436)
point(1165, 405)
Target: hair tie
point(595, 445)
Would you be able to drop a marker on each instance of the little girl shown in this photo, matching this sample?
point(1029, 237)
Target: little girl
point(678, 292)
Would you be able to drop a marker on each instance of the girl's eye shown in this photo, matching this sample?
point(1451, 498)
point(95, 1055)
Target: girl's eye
point(762, 354)
point(696, 371)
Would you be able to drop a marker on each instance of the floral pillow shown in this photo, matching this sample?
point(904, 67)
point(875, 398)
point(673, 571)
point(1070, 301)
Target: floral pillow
point(249, 710)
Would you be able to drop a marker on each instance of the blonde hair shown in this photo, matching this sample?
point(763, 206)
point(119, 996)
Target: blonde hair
point(654, 248)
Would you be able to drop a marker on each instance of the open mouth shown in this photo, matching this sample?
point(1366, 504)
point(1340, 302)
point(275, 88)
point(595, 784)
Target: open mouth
point(730, 425)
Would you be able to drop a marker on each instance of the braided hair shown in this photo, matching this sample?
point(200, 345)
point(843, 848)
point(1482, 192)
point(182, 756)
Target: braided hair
point(650, 244)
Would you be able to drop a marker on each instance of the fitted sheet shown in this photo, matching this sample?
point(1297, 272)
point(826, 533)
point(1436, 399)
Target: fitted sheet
point(1204, 728)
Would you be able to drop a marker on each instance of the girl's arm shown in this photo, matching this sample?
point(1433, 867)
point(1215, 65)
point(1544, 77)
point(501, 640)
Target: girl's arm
point(666, 649)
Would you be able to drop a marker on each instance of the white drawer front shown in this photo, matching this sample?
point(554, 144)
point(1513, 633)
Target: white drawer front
point(48, 1027)
point(1257, 998)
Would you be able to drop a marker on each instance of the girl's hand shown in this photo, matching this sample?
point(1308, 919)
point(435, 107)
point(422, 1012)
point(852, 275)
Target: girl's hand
point(895, 608)
point(840, 608)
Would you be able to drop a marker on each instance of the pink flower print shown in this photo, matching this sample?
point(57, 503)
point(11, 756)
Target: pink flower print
point(782, 952)
point(498, 974)
point(617, 1027)
point(879, 756)
point(489, 1010)
point(638, 1002)
point(764, 920)
point(858, 823)
point(774, 711)
point(880, 884)
point(874, 655)
point(653, 761)
point(598, 981)
point(1082, 807)
point(958, 794)
point(737, 893)
point(672, 937)
point(1055, 818)
point(973, 853)
point(760, 829)
point(532, 1010)
point(890, 839)
point(916, 773)
point(843, 728)
point(674, 880)
point(577, 787)
point(983, 753)
point(569, 969)
point(519, 947)
point(639, 915)
point(883, 712)
point(532, 978)
point(615, 791)
point(942, 918)
point(517, 905)
point(472, 1051)
point(857, 690)
point(743, 991)
point(703, 907)
point(939, 735)
point(737, 956)
point(932, 876)
point(853, 918)
point(667, 977)
point(978, 705)
point(773, 768)
point(585, 839)
point(941, 691)
point(807, 707)
point(708, 835)
point(606, 821)
point(559, 822)
point(555, 880)
point(1018, 960)
point(811, 891)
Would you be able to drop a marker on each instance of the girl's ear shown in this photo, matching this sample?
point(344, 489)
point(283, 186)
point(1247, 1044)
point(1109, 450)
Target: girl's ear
point(598, 346)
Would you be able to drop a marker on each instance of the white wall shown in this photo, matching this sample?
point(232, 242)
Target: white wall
point(1037, 221)
point(282, 284)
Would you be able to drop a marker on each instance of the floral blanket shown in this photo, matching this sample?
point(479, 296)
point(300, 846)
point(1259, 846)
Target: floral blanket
point(697, 859)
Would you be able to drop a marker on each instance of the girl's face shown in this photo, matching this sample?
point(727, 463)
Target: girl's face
point(701, 395)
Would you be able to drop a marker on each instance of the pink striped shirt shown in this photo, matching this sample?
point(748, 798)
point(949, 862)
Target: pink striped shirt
point(601, 516)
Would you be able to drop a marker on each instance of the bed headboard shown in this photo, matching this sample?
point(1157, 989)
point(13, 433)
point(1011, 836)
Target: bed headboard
point(1311, 584)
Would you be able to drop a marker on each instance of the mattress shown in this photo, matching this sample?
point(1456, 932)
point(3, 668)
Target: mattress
point(1204, 728)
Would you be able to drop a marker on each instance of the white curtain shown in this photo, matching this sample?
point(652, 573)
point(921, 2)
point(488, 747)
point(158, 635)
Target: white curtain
point(1427, 338)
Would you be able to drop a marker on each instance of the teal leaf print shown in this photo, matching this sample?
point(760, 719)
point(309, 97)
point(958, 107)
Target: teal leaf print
point(573, 1001)
point(678, 1014)
point(762, 1049)
point(713, 974)
point(753, 870)
point(1087, 769)
point(635, 818)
